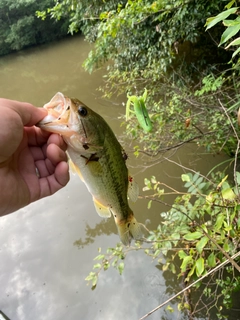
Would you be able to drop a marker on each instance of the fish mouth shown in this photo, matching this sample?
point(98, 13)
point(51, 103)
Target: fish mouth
point(59, 116)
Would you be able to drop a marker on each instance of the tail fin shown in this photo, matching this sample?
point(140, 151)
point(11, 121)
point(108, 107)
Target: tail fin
point(129, 229)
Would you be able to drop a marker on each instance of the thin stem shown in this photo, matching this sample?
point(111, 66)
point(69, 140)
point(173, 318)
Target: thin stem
point(191, 285)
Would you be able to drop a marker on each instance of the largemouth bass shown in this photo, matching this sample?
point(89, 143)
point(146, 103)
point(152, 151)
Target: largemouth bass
point(98, 158)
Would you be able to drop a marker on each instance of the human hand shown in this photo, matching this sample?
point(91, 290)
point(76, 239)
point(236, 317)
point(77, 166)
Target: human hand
point(33, 162)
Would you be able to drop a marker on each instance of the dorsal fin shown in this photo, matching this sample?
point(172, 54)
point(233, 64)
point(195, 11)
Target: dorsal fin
point(133, 189)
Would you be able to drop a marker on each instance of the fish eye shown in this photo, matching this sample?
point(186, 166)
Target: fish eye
point(82, 111)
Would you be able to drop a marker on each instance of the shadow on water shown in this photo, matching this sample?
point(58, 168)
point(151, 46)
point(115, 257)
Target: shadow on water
point(104, 227)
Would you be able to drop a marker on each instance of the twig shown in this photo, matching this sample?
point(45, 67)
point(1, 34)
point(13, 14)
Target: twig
point(188, 287)
point(187, 297)
point(189, 169)
point(238, 144)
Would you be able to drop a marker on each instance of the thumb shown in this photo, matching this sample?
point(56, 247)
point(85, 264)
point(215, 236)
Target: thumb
point(28, 113)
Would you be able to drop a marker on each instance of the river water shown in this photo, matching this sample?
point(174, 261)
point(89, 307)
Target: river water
point(42, 270)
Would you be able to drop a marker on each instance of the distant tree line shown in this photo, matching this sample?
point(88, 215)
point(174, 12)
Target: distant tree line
point(21, 28)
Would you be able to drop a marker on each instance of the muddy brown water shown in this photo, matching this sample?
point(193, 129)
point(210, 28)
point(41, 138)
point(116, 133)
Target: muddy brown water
point(42, 270)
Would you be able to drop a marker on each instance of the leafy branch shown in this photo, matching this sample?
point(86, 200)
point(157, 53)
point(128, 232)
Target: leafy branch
point(224, 263)
point(114, 257)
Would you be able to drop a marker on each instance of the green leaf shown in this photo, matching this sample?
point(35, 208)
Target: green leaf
point(90, 276)
point(229, 33)
point(121, 267)
point(199, 266)
point(144, 95)
point(165, 266)
point(99, 257)
point(235, 42)
point(221, 16)
point(219, 221)
point(226, 247)
point(106, 265)
point(192, 189)
point(229, 23)
point(149, 204)
point(128, 105)
point(195, 177)
point(153, 179)
point(211, 260)
point(94, 282)
point(93, 278)
point(115, 261)
point(199, 180)
point(228, 194)
point(191, 272)
point(172, 268)
point(185, 177)
point(186, 261)
point(201, 244)
point(192, 236)
point(202, 185)
point(182, 254)
point(235, 52)
point(170, 309)
point(229, 4)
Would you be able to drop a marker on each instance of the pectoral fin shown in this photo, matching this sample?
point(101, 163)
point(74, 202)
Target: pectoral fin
point(133, 189)
point(102, 211)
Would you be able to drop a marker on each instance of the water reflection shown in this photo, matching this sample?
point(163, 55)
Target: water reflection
point(102, 228)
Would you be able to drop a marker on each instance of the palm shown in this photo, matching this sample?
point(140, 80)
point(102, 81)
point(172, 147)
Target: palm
point(37, 163)
point(24, 152)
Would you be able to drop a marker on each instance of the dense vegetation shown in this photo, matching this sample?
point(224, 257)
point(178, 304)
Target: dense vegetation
point(192, 87)
point(20, 27)
point(163, 46)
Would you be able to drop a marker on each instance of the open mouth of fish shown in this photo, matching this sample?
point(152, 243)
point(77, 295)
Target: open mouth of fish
point(60, 119)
